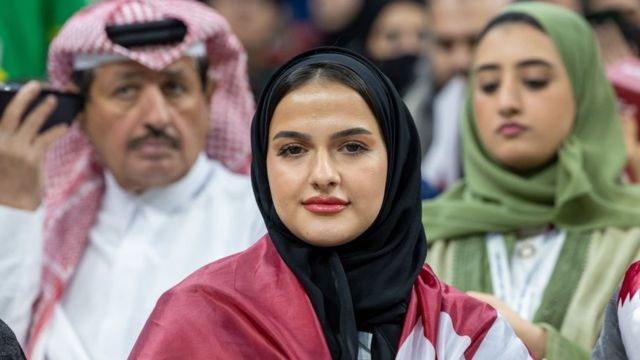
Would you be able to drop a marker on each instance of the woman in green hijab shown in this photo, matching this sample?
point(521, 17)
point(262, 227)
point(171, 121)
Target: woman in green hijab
point(542, 226)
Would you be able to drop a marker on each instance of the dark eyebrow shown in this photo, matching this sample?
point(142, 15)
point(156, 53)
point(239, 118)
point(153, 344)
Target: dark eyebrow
point(487, 67)
point(175, 74)
point(534, 62)
point(350, 132)
point(292, 134)
point(521, 64)
point(306, 137)
point(127, 74)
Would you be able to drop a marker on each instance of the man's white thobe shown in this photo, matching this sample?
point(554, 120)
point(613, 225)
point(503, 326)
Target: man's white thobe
point(139, 247)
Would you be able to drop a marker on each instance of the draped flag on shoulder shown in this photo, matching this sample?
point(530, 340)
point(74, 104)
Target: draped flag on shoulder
point(251, 305)
point(629, 311)
point(444, 323)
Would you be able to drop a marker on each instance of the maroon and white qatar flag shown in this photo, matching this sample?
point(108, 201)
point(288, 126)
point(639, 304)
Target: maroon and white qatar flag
point(251, 306)
point(629, 311)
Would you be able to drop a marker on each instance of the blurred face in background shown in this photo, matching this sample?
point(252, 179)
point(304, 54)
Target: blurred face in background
point(455, 26)
point(629, 9)
point(575, 5)
point(523, 100)
point(333, 15)
point(399, 29)
point(148, 127)
point(255, 22)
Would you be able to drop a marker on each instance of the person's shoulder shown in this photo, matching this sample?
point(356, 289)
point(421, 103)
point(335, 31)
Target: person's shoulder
point(450, 300)
point(463, 324)
point(9, 346)
point(245, 285)
point(248, 306)
point(451, 297)
point(222, 273)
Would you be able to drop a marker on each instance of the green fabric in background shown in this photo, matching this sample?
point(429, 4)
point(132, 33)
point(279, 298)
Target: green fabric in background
point(26, 27)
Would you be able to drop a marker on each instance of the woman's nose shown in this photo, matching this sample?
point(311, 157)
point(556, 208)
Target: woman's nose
point(324, 174)
point(509, 98)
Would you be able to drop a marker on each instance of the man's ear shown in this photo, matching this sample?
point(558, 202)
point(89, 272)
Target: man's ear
point(72, 87)
point(210, 88)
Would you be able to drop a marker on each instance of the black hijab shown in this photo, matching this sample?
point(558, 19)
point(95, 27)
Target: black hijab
point(364, 285)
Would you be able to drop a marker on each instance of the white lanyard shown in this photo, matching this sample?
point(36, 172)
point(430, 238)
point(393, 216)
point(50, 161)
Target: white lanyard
point(526, 298)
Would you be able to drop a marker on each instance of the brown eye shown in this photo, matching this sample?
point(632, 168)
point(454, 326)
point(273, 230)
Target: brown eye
point(536, 84)
point(489, 88)
point(291, 150)
point(445, 44)
point(354, 148)
point(124, 91)
point(392, 36)
point(173, 88)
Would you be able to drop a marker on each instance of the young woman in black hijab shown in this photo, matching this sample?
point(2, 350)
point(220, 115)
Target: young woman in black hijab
point(340, 274)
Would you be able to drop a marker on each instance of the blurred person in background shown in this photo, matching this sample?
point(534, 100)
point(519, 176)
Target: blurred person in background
point(268, 33)
point(454, 29)
point(578, 6)
point(542, 226)
point(145, 187)
point(617, 28)
point(454, 26)
point(616, 24)
point(629, 10)
point(26, 28)
point(339, 22)
point(391, 33)
point(259, 25)
point(396, 43)
point(395, 40)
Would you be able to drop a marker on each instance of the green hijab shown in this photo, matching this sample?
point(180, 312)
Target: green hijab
point(581, 190)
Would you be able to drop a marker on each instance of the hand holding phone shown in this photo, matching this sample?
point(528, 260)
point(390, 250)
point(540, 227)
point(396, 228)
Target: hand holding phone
point(68, 105)
point(23, 146)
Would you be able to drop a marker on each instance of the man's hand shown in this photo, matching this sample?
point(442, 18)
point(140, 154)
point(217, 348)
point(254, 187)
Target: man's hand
point(22, 148)
point(532, 335)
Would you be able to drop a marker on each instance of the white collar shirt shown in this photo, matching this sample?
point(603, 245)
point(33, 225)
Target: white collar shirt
point(142, 245)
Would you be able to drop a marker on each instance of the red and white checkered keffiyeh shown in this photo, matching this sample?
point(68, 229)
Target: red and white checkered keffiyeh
point(75, 182)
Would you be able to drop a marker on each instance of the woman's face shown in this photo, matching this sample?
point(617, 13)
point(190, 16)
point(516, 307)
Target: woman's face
point(326, 163)
point(400, 29)
point(523, 101)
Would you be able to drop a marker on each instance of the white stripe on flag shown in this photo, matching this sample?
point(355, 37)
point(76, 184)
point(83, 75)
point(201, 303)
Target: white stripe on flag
point(629, 323)
point(501, 343)
point(416, 346)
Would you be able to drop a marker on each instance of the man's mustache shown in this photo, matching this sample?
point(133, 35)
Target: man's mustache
point(154, 134)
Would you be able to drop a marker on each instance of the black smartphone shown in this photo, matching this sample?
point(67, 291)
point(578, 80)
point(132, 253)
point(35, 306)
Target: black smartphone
point(68, 105)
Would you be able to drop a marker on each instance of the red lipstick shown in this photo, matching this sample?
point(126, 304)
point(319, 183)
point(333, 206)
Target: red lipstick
point(325, 205)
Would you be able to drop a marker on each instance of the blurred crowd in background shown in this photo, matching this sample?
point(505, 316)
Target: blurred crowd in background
point(425, 47)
